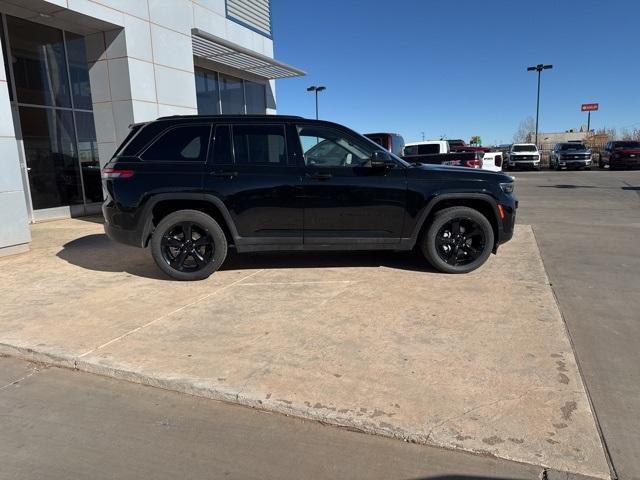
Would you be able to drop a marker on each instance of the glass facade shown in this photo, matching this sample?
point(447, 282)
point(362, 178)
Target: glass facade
point(49, 83)
point(218, 93)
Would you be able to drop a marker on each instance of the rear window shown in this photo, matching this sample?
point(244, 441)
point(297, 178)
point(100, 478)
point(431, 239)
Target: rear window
point(188, 143)
point(428, 149)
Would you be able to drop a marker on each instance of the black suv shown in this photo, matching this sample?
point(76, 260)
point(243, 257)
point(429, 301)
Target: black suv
point(190, 186)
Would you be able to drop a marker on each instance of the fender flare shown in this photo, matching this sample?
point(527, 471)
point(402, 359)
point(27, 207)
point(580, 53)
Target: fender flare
point(147, 215)
point(431, 204)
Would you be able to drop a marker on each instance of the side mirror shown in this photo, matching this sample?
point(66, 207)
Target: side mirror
point(380, 159)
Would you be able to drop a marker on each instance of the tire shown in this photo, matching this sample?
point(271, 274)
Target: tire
point(182, 257)
point(438, 248)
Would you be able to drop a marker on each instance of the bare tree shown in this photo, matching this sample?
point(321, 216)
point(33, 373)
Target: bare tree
point(627, 134)
point(525, 130)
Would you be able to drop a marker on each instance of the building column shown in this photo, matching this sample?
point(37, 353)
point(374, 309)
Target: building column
point(15, 233)
point(138, 73)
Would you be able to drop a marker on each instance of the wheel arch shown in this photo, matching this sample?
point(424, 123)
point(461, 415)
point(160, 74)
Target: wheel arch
point(164, 204)
point(484, 203)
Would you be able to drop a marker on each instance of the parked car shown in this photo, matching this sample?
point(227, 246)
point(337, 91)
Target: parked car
point(393, 142)
point(438, 152)
point(191, 186)
point(620, 154)
point(524, 155)
point(570, 155)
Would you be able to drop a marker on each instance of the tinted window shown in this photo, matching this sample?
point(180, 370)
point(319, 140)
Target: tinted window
point(428, 149)
point(256, 97)
point(325, 147)
point(78, 71)
point(207, 93)
point(187, 143)
point(39, 64)
point(222, 153)
point(626, 145)
point(572, 146)
point(524, 148)
point(232, 94)
point(259, 145)
point(410, 150)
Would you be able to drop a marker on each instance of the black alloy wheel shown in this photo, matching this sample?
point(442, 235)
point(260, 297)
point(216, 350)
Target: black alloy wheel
point(188, 245)
point(458, 240)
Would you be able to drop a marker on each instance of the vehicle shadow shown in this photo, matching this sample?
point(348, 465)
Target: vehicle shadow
point(97, 252)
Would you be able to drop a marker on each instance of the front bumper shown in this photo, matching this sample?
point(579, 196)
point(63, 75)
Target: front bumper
point(574, 162)
point(524, 163)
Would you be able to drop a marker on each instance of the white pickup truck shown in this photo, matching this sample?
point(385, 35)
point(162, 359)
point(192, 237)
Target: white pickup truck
point(523, 155)
point(442, 152)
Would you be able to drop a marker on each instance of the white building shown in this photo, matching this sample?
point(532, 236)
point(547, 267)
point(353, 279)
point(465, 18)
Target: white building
point(77, 73)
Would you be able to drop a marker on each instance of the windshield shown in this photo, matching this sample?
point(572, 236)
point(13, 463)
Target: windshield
point(627, 145)
point(572, 146)
point(524, 148)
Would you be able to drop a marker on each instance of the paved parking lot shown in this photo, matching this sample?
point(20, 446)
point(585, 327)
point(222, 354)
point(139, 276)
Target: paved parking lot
point(587, 225)
point(379, 343)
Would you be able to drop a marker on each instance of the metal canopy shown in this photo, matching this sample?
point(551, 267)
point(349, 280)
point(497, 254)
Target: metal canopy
point(223, 51)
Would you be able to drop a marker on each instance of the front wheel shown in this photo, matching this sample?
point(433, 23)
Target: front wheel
point(459, 240)
point(188, 245)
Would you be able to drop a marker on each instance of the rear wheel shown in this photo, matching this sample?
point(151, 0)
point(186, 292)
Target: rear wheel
point(459, 240)
point(188, 245)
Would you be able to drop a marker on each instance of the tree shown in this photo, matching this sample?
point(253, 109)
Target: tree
point(525, 131)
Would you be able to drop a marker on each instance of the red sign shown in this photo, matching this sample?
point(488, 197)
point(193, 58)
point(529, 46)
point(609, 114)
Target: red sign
point(589, 107)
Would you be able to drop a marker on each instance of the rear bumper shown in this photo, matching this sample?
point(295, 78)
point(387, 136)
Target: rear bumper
point(112, 221)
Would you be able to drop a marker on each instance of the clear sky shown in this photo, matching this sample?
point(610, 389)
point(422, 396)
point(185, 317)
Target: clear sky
point(458, 67)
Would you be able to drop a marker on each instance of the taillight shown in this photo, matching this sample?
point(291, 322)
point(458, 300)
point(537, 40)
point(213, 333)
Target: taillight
point(498, 160)
point(111, 172)
point(476, 162)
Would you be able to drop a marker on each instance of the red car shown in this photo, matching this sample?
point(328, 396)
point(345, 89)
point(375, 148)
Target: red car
point(620, 154)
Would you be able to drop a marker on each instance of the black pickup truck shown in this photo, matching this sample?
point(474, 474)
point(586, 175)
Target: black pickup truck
point(192, 186)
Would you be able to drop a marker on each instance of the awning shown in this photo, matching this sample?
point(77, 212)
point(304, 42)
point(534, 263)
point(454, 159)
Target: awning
point(223, 51)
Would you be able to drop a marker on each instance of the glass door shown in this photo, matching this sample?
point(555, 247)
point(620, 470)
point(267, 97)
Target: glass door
point(50, 91)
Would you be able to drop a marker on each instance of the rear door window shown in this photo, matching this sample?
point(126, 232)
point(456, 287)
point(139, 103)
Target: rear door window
point(186, 143)
point(260, 145)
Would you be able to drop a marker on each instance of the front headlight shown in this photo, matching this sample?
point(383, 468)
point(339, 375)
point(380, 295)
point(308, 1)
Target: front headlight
point(507, 187)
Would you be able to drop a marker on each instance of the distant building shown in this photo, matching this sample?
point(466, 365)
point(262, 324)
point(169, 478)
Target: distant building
point(548, 140)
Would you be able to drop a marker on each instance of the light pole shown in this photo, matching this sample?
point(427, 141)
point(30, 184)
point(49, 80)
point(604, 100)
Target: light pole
point(538, 68)
point(317, 89)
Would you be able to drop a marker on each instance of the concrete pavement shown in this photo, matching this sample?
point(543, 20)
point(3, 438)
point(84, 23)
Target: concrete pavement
point(478, 362)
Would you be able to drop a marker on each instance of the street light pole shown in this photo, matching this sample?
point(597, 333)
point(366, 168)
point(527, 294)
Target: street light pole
point(538, 68)
point(316, 89)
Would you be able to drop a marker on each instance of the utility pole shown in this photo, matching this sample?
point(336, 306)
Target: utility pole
point(538, 68)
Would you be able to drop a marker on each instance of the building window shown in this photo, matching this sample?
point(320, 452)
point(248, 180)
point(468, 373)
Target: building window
point(256, 94)
point(51, 90)
point(253, 14)
point(207, 92)
point(232, 95)
point(218, 93)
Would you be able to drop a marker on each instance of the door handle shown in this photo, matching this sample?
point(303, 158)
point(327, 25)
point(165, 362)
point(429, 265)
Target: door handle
point(319, 176)
point(224, 174)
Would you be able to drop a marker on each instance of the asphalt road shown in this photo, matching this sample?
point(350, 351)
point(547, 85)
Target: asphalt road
point(588, 228)
point(58, 424)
